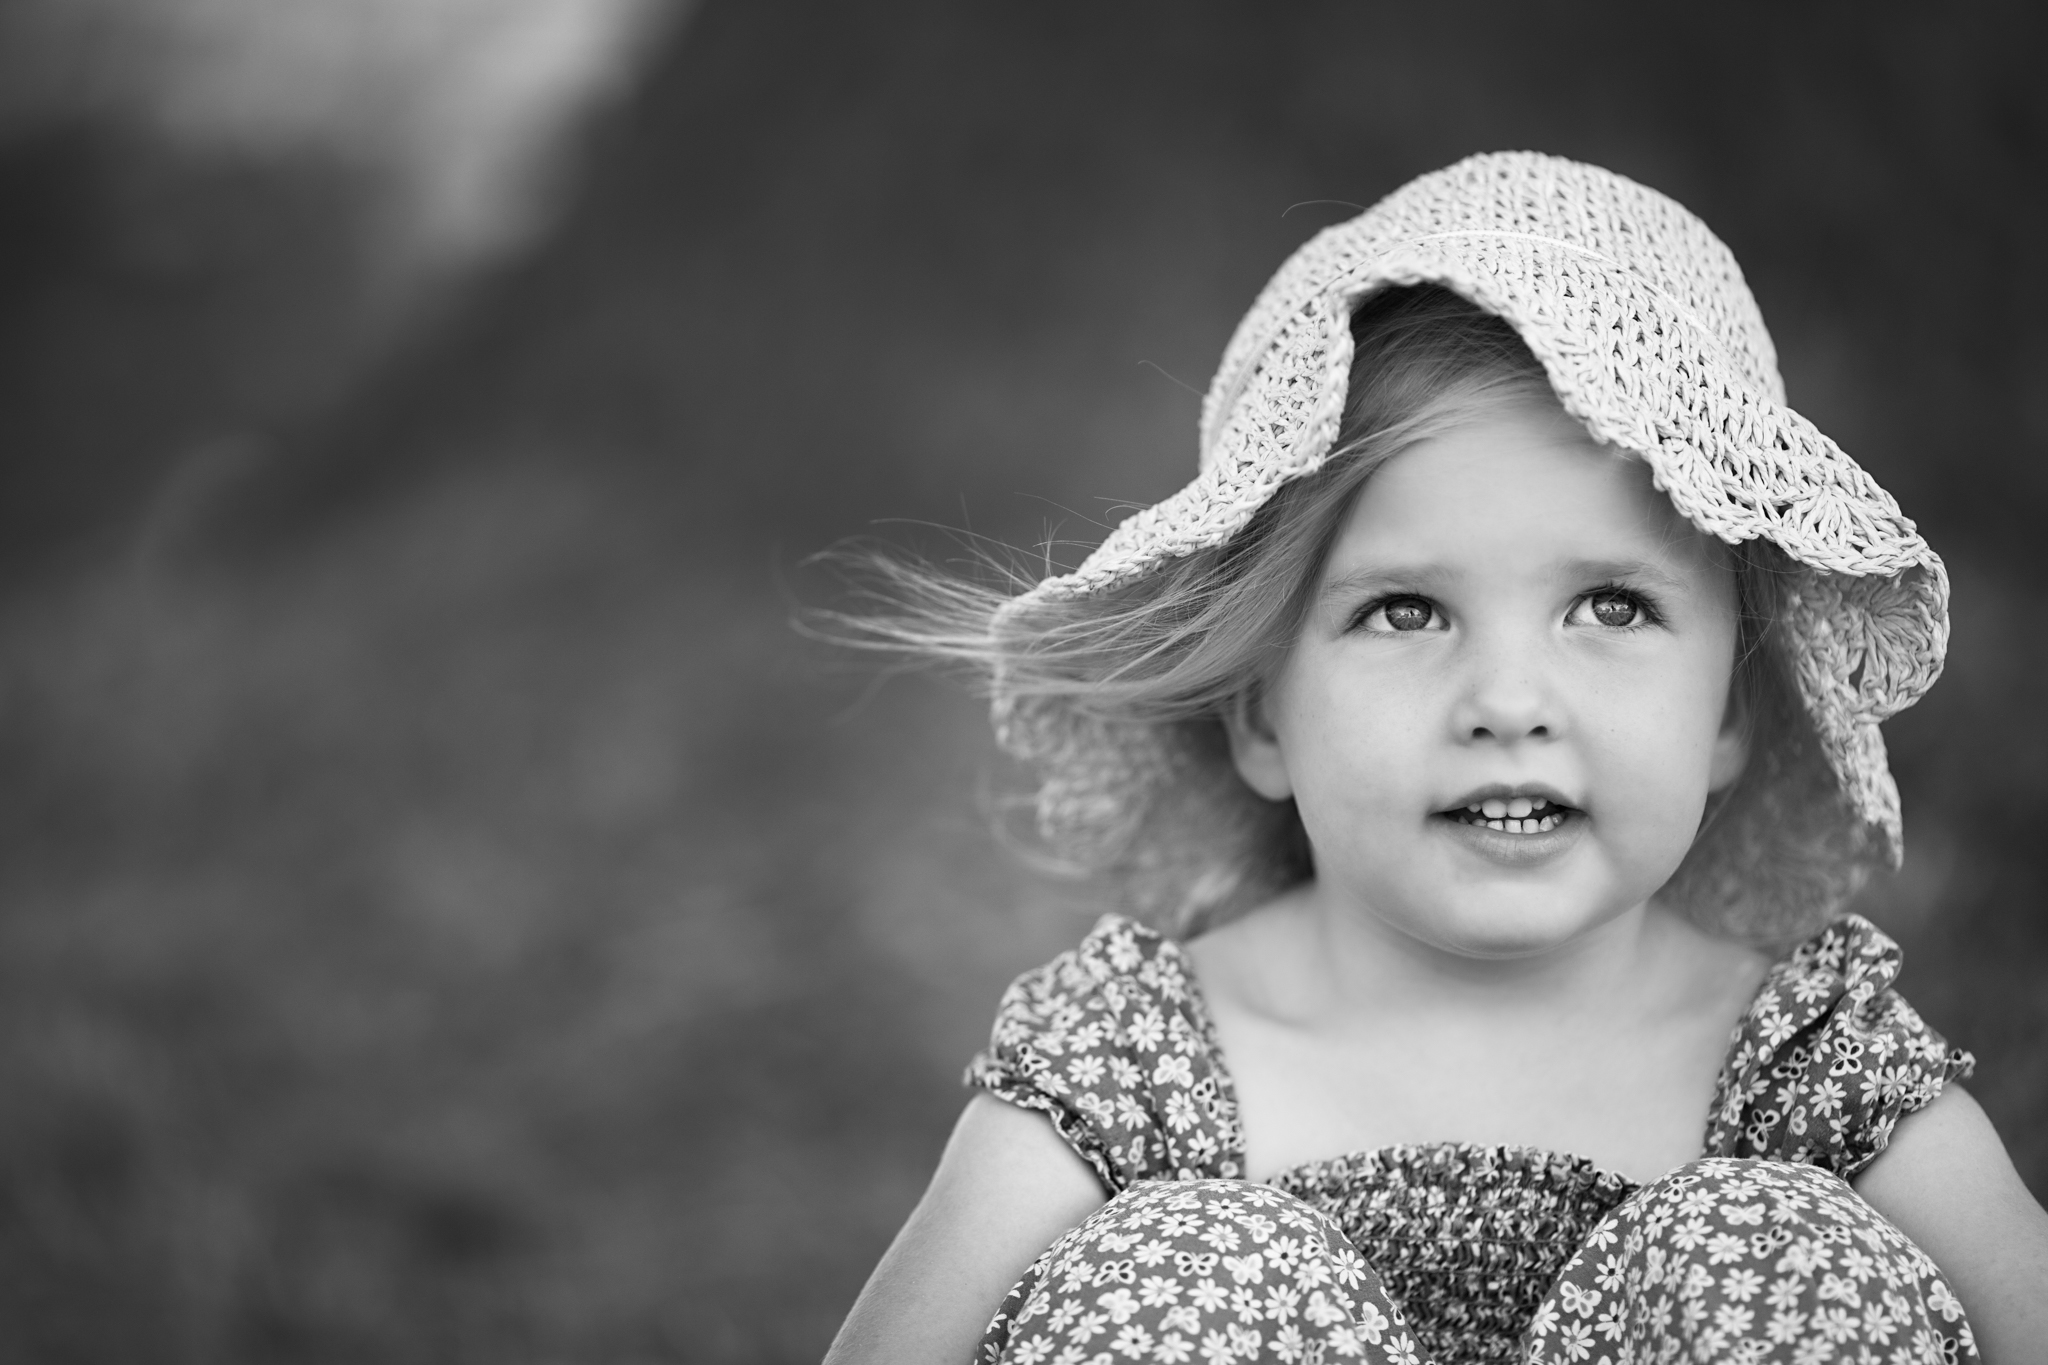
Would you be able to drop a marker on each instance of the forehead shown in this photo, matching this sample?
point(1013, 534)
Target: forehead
point(1519, 487)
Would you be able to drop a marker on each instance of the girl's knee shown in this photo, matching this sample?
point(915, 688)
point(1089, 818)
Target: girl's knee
point(1750, 1259)
point(1232, 1199)
point(1171, 1265)
point(1204, 1224)
point(1744, 1175)
point(1719, 1209)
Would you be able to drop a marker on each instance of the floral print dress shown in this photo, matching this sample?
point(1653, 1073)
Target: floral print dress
point(1457, 1253)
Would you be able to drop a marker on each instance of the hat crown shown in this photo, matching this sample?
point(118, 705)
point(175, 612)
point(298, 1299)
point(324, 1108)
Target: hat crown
point(1531, 197)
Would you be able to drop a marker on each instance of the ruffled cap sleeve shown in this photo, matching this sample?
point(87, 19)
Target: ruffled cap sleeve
point(1829, 1057)
point(1111, 1043)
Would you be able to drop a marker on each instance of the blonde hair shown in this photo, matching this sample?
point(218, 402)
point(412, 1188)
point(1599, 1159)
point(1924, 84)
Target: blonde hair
point(1118, 697)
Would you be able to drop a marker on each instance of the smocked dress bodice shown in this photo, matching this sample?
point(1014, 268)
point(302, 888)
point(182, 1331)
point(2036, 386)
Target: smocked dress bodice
point(1112, 1042)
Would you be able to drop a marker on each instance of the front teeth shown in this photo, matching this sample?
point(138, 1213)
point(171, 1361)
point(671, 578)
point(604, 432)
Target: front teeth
point(1516, 814)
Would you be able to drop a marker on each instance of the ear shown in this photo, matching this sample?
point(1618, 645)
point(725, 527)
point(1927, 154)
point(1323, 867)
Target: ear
point(1731, 746)
point(1255, 749)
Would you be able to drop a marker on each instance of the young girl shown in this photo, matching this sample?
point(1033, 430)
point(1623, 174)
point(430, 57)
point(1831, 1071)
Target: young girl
point(1488, 741)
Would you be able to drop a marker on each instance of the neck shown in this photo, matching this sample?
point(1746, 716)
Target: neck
point(1362, 957)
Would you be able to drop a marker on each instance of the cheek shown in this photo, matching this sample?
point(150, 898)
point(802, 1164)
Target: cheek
point(1659, 730)
point(1347, 759)
point(1702, 691)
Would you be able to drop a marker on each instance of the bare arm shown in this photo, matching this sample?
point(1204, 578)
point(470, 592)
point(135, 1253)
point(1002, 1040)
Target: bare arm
point(1006, 1188)
point(1946, 1182)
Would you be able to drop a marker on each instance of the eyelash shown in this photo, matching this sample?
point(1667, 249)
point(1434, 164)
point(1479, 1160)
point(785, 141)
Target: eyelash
point(1378, 604)
point(1645, 605)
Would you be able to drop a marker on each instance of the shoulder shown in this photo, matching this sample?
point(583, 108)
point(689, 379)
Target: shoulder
point(1119, 966)
point(1110, 1041)
point(1829, 1056)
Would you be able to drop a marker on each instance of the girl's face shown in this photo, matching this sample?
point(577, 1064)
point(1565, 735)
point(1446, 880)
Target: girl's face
point(1509, 700)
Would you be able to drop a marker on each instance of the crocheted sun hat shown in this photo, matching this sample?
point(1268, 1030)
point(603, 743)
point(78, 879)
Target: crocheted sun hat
point(1650, 337)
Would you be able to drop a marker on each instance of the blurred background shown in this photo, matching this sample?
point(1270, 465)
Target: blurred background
point(448, 914)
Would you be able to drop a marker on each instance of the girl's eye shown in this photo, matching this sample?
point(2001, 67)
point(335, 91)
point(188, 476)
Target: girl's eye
point(1401, 614)
point(1612, 607)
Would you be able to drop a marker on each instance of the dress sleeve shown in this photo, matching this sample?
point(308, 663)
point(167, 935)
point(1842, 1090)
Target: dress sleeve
point(1829, 1057)
point(1110, 1043)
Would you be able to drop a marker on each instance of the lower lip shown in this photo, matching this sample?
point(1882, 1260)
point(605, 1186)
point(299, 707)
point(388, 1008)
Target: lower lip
point(1516, 850)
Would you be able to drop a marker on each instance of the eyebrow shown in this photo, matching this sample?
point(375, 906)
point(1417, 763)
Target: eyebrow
point(1380, 577)
point(1427, 578)
point(1626, 570)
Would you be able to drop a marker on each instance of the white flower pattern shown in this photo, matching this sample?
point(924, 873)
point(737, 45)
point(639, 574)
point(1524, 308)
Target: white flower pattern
point(1848, 1286)
point(1496, 1254)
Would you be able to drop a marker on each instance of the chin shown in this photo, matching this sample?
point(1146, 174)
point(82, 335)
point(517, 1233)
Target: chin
point(1508, 932)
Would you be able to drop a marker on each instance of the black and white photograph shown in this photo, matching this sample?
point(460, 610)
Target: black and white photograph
point(756, 682)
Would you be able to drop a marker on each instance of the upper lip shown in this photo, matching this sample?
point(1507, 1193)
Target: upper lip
point(1505, 791)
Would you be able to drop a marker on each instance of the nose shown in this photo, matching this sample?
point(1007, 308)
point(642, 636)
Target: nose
point(1505, 698)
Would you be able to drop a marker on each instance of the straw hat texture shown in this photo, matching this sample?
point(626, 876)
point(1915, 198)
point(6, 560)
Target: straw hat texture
point(1641, 319)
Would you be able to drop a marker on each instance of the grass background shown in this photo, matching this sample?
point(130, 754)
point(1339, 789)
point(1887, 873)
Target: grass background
point(447, 915)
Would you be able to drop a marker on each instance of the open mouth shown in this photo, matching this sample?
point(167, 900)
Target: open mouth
point(1514, 814)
